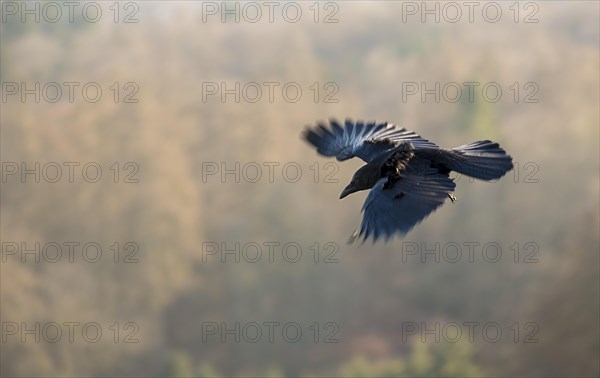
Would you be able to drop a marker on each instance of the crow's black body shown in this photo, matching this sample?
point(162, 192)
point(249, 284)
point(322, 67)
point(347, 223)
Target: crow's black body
point(408, 176)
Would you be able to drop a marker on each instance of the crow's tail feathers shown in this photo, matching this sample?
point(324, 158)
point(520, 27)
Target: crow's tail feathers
point(483, 160)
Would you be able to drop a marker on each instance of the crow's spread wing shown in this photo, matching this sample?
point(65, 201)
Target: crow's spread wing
point(418, 192)
point(365, 140)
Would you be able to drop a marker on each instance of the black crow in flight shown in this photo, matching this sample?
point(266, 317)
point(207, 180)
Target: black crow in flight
point(407, 175)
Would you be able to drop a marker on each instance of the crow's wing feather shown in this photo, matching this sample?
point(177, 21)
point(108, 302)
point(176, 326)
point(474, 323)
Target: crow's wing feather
point(399, 208)
point(365, 140)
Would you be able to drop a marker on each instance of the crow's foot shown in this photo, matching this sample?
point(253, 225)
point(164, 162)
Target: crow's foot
point(353, 237)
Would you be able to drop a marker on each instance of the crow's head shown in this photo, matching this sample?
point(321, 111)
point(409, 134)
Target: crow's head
point(364, 178)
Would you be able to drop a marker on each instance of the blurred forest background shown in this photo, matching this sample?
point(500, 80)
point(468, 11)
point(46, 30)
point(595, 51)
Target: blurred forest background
point(550, 200)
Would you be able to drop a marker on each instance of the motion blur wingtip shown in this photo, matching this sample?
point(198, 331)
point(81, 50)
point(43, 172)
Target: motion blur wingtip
point(305, 132)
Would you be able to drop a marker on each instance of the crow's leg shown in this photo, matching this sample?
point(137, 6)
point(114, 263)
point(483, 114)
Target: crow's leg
point(452, 198)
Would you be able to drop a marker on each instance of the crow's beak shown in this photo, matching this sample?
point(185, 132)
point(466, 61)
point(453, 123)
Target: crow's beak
point(347, 190)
